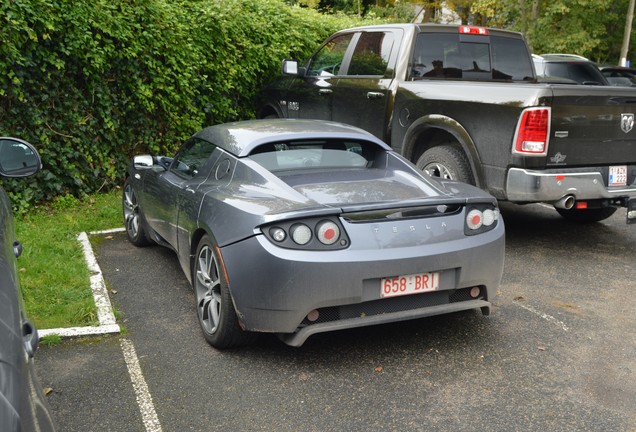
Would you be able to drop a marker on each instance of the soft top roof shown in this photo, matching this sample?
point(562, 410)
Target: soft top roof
point(240, 138)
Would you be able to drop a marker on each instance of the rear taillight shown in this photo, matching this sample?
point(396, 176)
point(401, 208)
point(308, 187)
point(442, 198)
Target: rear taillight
point(308, 234)
point(480, 219)
point(533, 130)
point(301, 234)
point(328, 232)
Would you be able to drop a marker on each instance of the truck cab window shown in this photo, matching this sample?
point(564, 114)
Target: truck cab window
point(507, 63)
point(372, 53)
point(328, 60)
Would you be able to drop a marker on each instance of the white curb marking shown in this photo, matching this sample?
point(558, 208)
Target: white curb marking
point(105, 315)
point(144, 400)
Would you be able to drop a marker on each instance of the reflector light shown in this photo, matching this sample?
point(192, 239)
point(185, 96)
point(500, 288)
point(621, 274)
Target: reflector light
point(474, 292)
point(473, 30)
point(328, 232)
point(474, 219)
point(313, 315)
point(581, 205)
point(301, 234)
point(532, 133)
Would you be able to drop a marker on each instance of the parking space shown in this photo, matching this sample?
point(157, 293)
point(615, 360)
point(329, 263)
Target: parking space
point(557, 353)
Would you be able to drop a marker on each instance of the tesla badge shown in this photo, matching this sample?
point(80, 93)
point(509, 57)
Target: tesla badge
point(627, 122)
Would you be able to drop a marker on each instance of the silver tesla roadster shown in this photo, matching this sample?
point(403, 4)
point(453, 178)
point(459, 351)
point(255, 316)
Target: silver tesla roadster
point(297, 227)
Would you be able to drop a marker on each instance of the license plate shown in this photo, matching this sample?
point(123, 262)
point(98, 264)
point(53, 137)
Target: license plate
point(409, 284)
point(618, 175)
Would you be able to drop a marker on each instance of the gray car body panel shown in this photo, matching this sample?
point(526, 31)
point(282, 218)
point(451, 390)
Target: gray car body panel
point(274, 288)
point(22, 405)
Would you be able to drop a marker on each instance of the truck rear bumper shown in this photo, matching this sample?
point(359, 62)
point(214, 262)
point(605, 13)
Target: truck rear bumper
point(554, 185)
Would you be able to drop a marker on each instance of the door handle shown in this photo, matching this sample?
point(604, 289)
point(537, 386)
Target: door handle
point(325, 92)
point(375, 95)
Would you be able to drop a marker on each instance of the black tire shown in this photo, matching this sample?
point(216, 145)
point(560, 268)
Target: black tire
point(134, 221)
point(448, 162)
point(215, 308)
point(587, 215)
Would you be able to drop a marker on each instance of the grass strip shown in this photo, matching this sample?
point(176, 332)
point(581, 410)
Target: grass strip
point(52, 270)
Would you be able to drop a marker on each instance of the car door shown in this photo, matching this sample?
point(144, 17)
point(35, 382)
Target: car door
point(310, 95)
point(361, 94)
point(165, 195)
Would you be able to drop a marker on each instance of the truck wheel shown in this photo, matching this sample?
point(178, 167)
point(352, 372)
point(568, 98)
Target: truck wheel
point(447, 162)
point(586, 215)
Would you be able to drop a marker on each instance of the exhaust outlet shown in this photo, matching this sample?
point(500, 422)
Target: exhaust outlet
point(567, 202)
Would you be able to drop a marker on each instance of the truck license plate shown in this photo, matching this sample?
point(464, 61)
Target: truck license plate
point(618, 175)
point(409, 284)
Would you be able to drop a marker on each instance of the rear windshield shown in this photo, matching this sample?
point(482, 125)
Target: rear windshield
point(316, 154)
point(445, 56)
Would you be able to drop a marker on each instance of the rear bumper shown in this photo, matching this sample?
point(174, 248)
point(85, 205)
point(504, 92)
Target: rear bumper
point(552, 185)
point(274, 290)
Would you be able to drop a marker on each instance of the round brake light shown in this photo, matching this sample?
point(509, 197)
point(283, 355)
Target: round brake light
point(328, 232)
point(474, 219)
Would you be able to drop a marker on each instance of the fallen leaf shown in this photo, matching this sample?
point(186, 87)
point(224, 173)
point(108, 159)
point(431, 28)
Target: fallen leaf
point(542, 348)
point(378, 369)
point(47, 391)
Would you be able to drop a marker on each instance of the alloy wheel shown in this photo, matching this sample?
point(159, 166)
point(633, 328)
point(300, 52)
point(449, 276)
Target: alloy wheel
point(131, 211)
point(208, 290)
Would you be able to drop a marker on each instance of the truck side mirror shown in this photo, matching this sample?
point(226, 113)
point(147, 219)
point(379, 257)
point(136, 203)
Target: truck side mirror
point(290, 67)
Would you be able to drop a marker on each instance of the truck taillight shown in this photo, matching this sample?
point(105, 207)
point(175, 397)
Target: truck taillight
point(533, 130)
point(473, 30)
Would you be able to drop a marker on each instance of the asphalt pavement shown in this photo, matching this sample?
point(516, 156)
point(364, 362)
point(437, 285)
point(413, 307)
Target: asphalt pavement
point(558, 352)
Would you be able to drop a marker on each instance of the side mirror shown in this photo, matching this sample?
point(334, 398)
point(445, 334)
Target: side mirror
point(143, 161)
point(290, 67)
point(18, 158)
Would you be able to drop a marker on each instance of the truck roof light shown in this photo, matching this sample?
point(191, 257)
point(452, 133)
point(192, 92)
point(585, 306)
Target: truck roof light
point(531, 137)
point(473, 30)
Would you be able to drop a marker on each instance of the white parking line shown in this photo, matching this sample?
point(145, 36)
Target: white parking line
point(108, 324)
point(144, 400)
point(543, 315)
point(105, 315)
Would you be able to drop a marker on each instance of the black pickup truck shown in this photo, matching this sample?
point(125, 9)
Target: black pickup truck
point(464, 103)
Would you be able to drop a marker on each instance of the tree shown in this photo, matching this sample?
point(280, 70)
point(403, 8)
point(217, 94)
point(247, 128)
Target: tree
point(591, 28)
point(627, 33)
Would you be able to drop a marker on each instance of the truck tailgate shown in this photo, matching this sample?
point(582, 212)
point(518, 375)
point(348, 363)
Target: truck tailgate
point(592, 126)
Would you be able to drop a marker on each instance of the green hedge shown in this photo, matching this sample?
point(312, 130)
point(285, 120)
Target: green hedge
point(92, 82)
